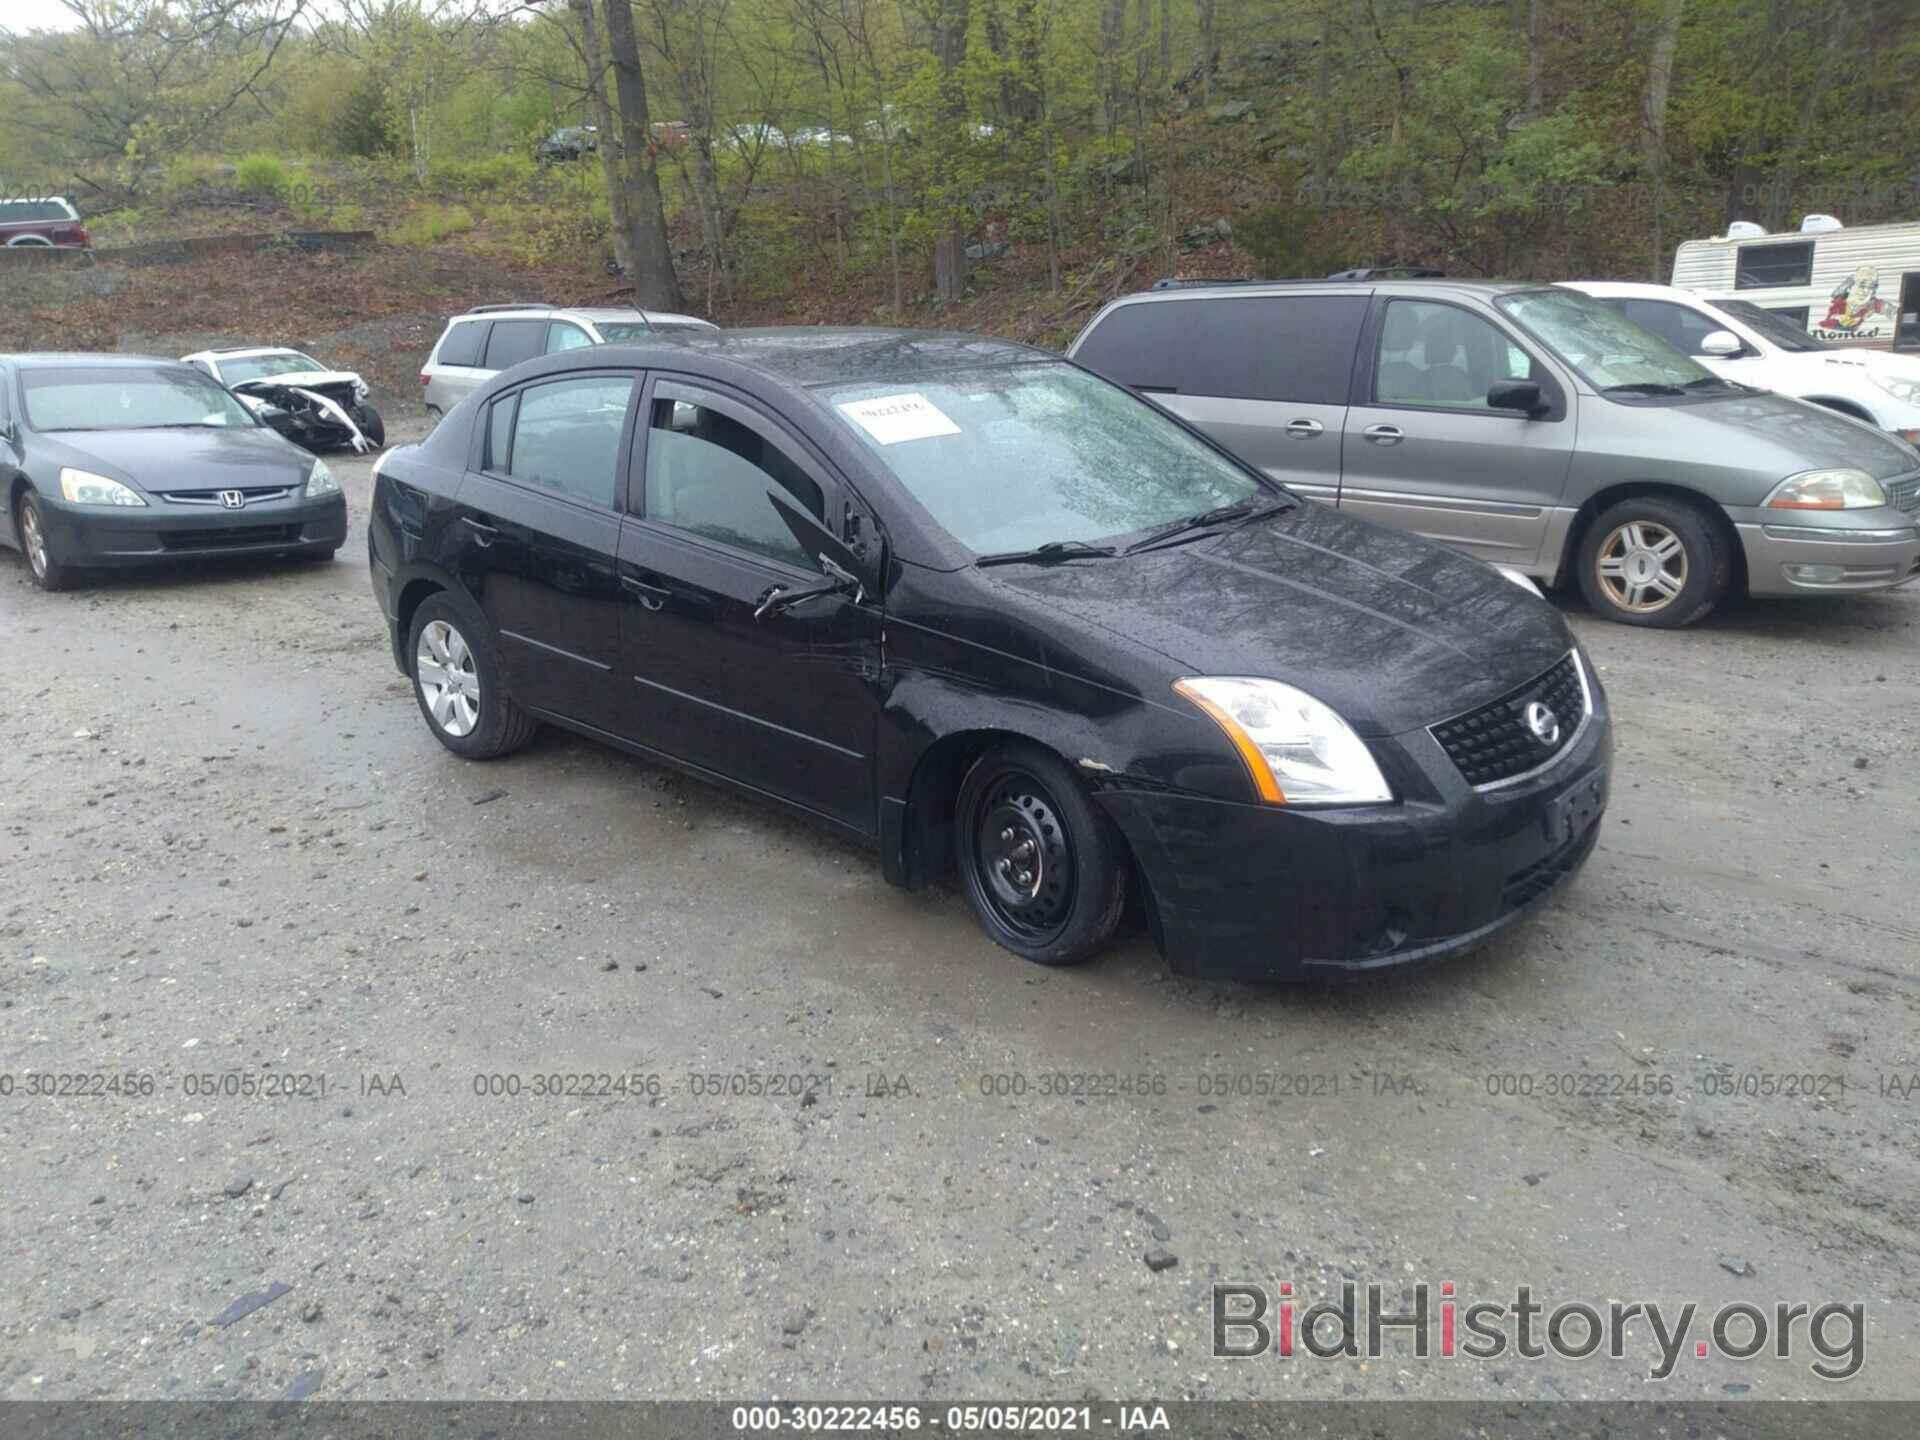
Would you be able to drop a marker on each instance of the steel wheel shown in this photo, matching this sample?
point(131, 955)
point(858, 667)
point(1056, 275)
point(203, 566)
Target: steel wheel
point(445, 668)
point(1642, 566)
point(32, 540)
point(1023, 857)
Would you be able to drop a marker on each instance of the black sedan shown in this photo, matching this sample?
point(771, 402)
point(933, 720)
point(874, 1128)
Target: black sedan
point(992, 614)
point(108, 461)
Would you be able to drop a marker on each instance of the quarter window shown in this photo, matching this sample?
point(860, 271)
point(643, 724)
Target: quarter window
point(709, 474)
point(1761, 267)
point(1441, 355)
point(567, 436)
point(500, 434)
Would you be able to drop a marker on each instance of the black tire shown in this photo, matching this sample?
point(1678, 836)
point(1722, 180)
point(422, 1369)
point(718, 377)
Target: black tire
point(371, 425)
point(45, 571)
point(1650, 579)
point(498, 726)
point(1065, 905)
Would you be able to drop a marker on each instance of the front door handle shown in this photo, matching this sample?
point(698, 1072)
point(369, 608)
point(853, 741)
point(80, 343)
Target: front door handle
point(1382, 434)
point(483, 535)
point(652, 597)
point(1304, 429)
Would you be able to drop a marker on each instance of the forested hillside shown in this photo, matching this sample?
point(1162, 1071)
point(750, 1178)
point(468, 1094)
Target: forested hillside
point(862, 159)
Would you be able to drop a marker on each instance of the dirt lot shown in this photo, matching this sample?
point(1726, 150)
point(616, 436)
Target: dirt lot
point(231, 849)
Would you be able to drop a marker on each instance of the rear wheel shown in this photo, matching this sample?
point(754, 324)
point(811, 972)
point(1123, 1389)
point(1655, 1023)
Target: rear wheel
point(1654, 561)
point(456, 680)
point(46, 572)
point(1042, 868)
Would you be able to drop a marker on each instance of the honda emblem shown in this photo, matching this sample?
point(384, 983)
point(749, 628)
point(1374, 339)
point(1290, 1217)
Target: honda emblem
point(233, 499)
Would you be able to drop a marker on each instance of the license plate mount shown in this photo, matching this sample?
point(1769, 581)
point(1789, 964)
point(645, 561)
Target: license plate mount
point(1572, 811)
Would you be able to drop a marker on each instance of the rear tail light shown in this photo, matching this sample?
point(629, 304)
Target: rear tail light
point(425, 379)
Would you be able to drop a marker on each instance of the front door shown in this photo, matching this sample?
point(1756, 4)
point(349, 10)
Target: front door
point(786, 701)
point(1425, 453)
point(540, 530)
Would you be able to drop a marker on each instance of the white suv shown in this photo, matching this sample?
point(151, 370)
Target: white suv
point(487, 339)
point(1741, 341)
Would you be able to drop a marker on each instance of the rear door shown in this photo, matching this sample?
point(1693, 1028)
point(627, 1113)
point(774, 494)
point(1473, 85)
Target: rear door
point(540, 527)
point(1424, 452)
point(1265, 375)
point(785, 702)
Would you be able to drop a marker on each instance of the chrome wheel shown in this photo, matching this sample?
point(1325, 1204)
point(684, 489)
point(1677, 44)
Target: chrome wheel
point(1023, 857)
point(451, 686)
point(34, 542)
point(1641, 566)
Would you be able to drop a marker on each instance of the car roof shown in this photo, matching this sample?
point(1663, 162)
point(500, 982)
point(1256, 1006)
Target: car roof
point(1484, 289)
point(237, 352)
point(70, 359)
point(803, 356)
point(1631, 289)
point(594, 313)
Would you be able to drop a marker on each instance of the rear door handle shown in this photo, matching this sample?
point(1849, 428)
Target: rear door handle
point(1382, 434)
point(1304, 429)
point(483, 535)
point(652, 597)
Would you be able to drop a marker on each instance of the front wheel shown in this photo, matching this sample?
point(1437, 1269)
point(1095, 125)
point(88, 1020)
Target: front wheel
point(456, 680)
point(371, 425)
point(46, 572)
point(1654, 561)
point(1042, 868)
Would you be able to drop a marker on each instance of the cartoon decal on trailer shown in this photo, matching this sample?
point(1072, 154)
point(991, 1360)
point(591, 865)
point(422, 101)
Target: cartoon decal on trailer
point(1856, 312)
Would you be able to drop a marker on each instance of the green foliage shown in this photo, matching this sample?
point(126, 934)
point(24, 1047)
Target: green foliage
point(489, 175)
point(266, 176)
point(1282, 240)
point(431, 224)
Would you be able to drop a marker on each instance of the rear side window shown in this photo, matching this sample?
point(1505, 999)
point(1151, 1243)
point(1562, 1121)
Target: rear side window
point(1758, 267)
point(462, 343)
point(21, 211)
point(567, 435)
point(1278, 347)
point(513, 341)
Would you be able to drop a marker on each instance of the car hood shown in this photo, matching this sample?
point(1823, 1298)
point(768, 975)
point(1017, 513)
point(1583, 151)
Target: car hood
point(1775, 435)
point(193, 459)
point(1391, 631)
point(301, 378)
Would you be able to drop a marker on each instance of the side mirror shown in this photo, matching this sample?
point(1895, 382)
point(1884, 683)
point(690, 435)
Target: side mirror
point(1521, 395)
point(1722, 344)
point(845, 571)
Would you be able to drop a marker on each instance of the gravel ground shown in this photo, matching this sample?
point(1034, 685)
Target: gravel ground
point(231, 849)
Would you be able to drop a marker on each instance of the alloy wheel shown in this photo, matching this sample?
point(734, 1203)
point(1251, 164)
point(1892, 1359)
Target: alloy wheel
point(448, 679)
point(1642, 566)
point(35, 542)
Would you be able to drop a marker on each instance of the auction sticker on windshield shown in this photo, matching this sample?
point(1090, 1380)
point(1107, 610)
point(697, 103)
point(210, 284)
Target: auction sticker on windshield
point(890, 419)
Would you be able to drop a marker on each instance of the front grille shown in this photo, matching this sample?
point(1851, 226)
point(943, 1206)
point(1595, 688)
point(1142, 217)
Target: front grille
point(212, 497)
point(1904, 494)
point(1494, 744)
point(1530, 882)
point(231, 536)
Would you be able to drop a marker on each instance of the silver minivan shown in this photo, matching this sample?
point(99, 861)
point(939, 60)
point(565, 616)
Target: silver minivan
point(1531, 426)
point(487, 339)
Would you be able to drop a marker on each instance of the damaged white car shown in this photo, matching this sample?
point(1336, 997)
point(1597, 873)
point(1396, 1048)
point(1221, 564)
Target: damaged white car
point(317, 408)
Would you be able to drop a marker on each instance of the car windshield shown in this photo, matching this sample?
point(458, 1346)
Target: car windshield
point(1009, 459)
point(1785, 333)
point(1610, 351)
point(259, 367)
point(125, 397)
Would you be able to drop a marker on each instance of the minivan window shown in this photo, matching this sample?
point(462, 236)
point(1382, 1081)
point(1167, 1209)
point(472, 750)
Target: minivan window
point(461, 344)
point(1611, 352)
point(1778, 326)
point(513, 341)
point(1442, 355)
point(1760, 267)
point(1296, 348)
point(1012, 457)
point(567, 436)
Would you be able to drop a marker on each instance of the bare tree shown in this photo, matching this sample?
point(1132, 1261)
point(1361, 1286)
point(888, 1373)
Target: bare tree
point(654, 283)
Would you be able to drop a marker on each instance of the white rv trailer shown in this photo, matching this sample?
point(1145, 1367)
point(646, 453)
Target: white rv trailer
point(1858, 286)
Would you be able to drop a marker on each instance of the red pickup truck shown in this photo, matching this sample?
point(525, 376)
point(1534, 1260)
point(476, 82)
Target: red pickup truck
point(41, 220)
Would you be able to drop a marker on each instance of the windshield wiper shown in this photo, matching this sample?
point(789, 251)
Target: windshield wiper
point(1706, 380)
point(1052, 551)
point(1247, 509)
point(1642, 387)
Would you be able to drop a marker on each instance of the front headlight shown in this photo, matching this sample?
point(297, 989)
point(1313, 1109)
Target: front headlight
point(1297, 750)
point(321, 481)
point(83, 487)
point(1907, 390)
point(1827, 490)
point(360, 391)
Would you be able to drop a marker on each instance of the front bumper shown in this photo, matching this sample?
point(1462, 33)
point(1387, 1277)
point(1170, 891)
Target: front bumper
point(1273, 893)
point(1787, 559)
point(112, 536)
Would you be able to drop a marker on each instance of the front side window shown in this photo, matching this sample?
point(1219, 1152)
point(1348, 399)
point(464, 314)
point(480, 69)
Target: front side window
point(709, 474)
point(125, 398)
point(1762, 267)
point(1442, 355)
point(1612, 354)
point(1785, 328)
point(1011, 457)
point(564, 335)
point(567, 436)
point(1680, 326)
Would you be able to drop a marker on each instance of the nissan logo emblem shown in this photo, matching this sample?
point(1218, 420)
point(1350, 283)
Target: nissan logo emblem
point(233, 499)
point(1544, 724)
